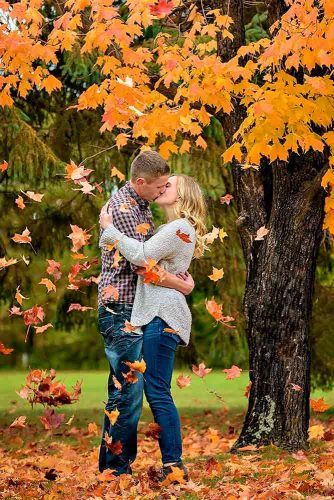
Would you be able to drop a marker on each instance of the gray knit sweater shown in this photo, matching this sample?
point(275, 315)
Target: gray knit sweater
point(175, 255)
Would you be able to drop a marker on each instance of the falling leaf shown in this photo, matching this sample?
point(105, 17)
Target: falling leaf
point(52, 420)
point(19, 297)
point(49, 285)
point(115, 448)
point(296, 387)
point(261, 233)
point(22, 238)
point(112, 415)
point(201, 371)
point(110, 292)
point(124, 208)
point(20, 203)
point(183, 381)
point(79, 238)
point(5, 350)
point(138, 366)
point(70, 420)
point(33, 196)
point(214, 309)
point(153, 430)
point(54, 269)
point(33, 315)
point(222, 234)
point(319, 405)
point(128, 327)
point(116, 259)
point(171, 330)
point(3, 166)
point(210, 237)
point(6, 263)
point(117, 384)
point(92, 428)
point(233, 372)
point(316, 431)
point(78, 307)
point(217, 274)
point(248, 389)
point(116, 173)
point(19, 422)
point(43, 328)
point(227, 198)
point(130, 377)
point(183, 236)
point(143, 228)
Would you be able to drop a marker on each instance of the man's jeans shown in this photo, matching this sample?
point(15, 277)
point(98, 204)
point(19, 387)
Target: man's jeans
point(120, 347)
point(159, 352)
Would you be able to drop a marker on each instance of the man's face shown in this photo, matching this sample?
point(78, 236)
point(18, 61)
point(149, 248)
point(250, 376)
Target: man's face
point(151, 190)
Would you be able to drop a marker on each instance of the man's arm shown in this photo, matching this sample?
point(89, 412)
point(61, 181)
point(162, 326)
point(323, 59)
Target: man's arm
point(184, 284)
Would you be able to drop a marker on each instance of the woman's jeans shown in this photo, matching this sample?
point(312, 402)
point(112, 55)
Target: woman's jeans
point(120, 347)
point(159, 352)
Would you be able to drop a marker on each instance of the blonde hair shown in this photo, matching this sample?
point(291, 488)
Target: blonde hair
point(191, 205)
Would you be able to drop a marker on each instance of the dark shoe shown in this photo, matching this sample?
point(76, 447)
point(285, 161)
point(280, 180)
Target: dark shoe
point(167, 469)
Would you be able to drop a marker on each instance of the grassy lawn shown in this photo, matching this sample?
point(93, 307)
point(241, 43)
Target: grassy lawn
point(191, 401)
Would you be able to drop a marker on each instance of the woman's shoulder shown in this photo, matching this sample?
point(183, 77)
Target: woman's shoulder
point(181, 224)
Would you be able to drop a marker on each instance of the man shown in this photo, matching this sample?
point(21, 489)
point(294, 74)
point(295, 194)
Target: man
point(129, 208)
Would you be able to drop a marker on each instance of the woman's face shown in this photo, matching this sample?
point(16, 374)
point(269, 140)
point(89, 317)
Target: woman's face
point(170, 195)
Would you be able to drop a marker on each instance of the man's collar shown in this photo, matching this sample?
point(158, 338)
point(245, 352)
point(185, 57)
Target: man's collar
point(141, 202)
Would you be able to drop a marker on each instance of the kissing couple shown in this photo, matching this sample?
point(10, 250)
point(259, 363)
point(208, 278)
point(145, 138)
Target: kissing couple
point(157, 308)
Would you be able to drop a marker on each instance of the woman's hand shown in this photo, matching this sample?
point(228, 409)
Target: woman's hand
point(105, 217)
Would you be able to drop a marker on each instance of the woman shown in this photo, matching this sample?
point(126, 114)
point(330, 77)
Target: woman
point(162, 312)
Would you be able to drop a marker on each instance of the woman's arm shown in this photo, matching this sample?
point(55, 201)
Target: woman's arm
point(164, 244)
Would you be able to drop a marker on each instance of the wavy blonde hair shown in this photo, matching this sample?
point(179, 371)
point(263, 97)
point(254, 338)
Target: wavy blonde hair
point(191, 205)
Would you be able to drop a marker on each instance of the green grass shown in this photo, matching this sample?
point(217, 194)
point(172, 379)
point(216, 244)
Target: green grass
point(191, 401)
point(94, 390)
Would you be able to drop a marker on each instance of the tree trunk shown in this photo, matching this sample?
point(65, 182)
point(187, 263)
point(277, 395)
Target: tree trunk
point(286, 198)
point(278, 304)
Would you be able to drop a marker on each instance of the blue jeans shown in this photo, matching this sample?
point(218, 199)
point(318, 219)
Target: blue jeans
point(119, 347)
point(159, 352)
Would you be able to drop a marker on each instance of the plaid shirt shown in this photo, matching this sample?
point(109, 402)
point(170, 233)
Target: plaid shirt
point(128, 210)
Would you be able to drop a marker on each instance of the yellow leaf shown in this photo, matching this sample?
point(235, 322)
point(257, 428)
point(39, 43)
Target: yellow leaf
point(316, 431)
point(217, 274)
point(112, 415)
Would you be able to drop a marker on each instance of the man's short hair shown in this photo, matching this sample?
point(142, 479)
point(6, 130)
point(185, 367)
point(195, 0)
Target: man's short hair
point(149, 165)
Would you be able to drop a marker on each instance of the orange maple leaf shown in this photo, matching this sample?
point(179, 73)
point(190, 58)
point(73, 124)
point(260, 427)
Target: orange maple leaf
point(138, 366)
point(5, 350)
point(48, 283)
point(201, 371)
point(110, 292)
point(143, 228)
point(183, 381)
point(3, 166)
point(22, 238)
point(112, 415)
point(319, 405)
point(232, 372)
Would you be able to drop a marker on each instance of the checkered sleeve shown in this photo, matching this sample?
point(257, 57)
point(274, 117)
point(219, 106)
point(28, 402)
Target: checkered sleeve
point(127, 222)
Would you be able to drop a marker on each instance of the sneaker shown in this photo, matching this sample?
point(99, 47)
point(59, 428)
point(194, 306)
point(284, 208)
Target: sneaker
point(167, 469)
